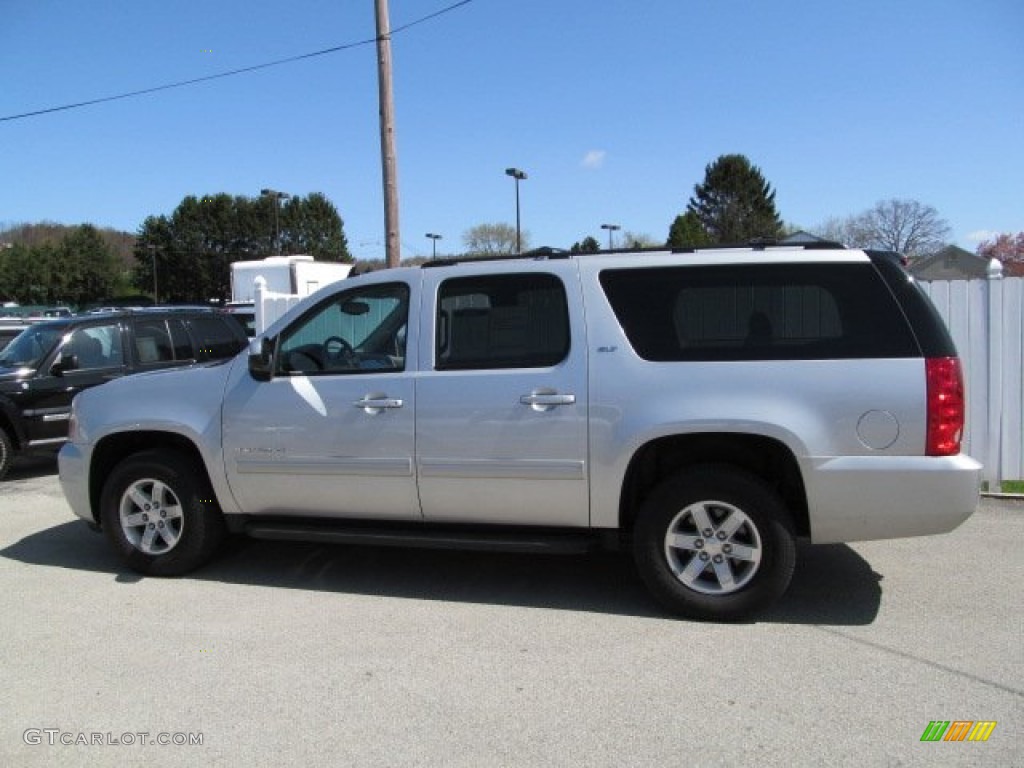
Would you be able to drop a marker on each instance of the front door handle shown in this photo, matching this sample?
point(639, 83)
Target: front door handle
point(545, 401)
point(377, 404)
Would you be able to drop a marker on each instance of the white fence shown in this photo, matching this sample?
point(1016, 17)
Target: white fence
point(270, 305)
point(985, 320)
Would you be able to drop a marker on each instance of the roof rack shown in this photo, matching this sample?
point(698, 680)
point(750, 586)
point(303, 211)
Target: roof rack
point(763, 243)
point(537, 254)
point(540, 254)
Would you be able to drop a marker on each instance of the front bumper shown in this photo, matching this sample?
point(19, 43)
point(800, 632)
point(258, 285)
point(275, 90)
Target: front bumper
point(74, 480)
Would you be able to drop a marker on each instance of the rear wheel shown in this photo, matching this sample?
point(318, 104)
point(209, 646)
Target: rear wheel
point(715, 542)
point(158, 510)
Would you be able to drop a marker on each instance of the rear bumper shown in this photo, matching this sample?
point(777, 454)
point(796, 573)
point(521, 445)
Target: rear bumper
point(74, 481)
point(859, 498)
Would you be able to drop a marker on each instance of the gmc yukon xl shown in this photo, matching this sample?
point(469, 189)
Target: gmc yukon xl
point(700, 409)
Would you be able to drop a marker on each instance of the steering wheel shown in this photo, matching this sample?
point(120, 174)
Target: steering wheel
point(336, 348)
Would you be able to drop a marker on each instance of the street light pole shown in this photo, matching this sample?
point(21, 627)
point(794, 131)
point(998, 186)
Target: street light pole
point(433, 238)
point(611, 228)
point(518, 175)
point(278, 197)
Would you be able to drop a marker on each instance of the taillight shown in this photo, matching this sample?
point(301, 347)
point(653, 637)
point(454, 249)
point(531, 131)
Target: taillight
point(945, 406)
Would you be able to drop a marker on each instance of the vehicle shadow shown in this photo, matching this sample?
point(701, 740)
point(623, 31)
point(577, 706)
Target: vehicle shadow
point(29, 467)
point(833, 585)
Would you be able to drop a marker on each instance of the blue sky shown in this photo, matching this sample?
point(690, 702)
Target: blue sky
point(613, 109)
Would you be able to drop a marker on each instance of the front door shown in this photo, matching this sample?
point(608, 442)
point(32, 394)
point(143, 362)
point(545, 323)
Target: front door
point(87, 357)
point(332, 433)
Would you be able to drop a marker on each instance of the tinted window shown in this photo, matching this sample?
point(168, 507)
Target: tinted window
point(501, 321)
point(215, 338)
point(180, 340)
point(758, 312)
point(152, 341)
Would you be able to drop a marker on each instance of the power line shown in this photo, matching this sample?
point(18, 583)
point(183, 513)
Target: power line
point(233, 72)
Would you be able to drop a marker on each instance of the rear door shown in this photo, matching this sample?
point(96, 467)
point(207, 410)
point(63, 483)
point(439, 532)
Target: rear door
point(501, 420)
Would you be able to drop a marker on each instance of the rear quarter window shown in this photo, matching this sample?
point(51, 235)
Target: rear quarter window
point(215, 338)
point(758, 312)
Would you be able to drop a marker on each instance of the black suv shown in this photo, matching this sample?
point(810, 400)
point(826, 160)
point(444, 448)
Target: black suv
point(48, 363)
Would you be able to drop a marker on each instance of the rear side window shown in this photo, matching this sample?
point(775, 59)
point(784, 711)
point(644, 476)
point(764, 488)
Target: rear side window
point(152, 341)
point(501, 321)
point(215, 338)
point(759, 312)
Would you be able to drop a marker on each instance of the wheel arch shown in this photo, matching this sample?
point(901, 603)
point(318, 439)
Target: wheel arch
point(10, 422)
point(113, 449)
point(765, 457)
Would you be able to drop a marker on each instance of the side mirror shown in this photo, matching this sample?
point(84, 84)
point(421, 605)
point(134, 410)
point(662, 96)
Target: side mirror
point(261, 361)
point(65, 364)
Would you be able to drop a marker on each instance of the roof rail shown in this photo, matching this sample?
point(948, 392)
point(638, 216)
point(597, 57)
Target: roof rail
point(546, 252)
point(761, 243)
point(537, 254)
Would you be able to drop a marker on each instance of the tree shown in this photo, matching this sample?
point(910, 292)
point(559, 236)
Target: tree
point(1004, 247)
point(89, 265)
point(587, 245)
point(194, 247)
point(632, 239)
point(312, 225)
point(499, 239)
point(904, 226)
point(687, 232)
point(735, 203)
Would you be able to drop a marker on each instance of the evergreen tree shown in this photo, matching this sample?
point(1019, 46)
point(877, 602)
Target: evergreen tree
point(735, 204)
point(587, 245)
point(194, 247)
point(687, 232)
point(87, 264)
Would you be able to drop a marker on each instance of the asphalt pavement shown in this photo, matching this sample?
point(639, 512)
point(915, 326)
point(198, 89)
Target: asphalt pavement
point(295, 654)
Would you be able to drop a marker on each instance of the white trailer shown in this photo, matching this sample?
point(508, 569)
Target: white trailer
point(297, 275)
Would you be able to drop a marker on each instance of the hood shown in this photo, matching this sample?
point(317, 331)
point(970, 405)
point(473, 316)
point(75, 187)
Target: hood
point(184, 400)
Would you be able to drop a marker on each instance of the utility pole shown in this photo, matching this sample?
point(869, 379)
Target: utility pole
point(389, 163)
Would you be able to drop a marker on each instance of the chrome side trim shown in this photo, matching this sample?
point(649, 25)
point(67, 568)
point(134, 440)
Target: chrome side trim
point(507, 469)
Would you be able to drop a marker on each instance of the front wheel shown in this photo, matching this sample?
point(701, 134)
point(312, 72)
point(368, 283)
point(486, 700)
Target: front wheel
point(158, 510)
point(714, 543)
point(6, 452)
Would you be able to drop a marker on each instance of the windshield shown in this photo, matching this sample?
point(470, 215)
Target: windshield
point(28, 348)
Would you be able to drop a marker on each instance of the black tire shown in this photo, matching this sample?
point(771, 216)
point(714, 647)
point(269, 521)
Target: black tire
point(6, 452)
point(159, 511)
point(741, 568)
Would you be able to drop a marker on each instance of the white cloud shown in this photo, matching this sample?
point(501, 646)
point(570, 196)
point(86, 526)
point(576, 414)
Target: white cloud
point(594, 159)
point(981, 235)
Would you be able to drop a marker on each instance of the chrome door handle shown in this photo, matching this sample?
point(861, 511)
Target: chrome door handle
point(378, 403)
point(545, 401)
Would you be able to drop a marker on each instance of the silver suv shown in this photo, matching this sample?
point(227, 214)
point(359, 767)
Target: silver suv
point(702, 409)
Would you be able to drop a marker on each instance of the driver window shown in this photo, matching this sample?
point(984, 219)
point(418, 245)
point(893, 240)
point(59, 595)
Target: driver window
point(358, 331)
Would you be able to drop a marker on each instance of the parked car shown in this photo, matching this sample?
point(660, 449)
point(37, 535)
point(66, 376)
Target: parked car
point(9, 329)
point(701, 410)
point(49, 362)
